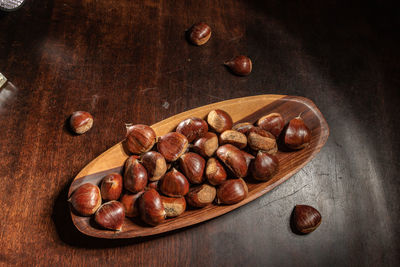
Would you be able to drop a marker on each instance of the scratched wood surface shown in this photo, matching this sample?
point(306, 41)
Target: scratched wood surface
point(128, 61)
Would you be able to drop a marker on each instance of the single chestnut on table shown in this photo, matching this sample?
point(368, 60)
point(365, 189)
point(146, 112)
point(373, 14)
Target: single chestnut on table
point(135, 175)
point(155, 165)
point(111, 186)
point(215, 172)
point(193, 128)
point(174, 184)
point(86, 199)
point(232, 191)
point(240, 65)
point(305, 218)
point(297, 134)
point(130, 203)
point(173, 206)
point(234, 159)
point(201, 195)
point(80, 122)
point(151, 208)
point(172, 145)
point(259, 139)
point(233, 137)
point(206, 145)
point(140, 138)
point(219, 120)
point(272, 123)
point(264, 166)
point(199, 33)
point(192, 166)
point(110, 215)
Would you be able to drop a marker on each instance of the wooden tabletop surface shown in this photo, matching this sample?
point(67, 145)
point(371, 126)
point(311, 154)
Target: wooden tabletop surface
point(128, 61)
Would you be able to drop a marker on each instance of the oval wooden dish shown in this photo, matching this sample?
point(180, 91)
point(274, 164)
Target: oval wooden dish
point(241, 109)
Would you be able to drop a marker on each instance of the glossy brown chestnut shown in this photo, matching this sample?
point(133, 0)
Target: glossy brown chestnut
point(111, 186)
point(206, 145)
point(240, 65)
point(81, 122)
point(140, 138)
point(259, 139)
point(130, 203)
point(215, 172)
point(272, 123)
point(232, 191)
point(110, 215)
point(306, 218)
point(192, 166)
point(174, 206)
point(154, 164)
point(201, 196)
point(172, 145)
point(264, 166)
point(243, 127)
point(174, 184)
point(86, 199)
point(219, 120)
point(233, 137)
point(234, 159)
point(297, 134)
point(199, 33)
point(135, 175)
point(193, 128)
point(151, 208)
point(248, 157)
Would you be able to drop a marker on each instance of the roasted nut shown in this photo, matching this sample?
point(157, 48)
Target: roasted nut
point(199, 33)
point(219, 120)
point(206, 145)
point(155, 165)
point(193, 128)
point(86, 199)
point(192, 166)
point(215, 172)
point(306, 218)
point(297, 134)
point(233, 137)
point(130, 203)
point(201, 196)
point(110, 215)
point(232, 191)
point(174, 206)
point(272, 123)
point(264, 166)
point(243, 127)
point(234, 159)
point(111, 186)
point(135, 175)
point(151, 208)
point(240, 65)
point(259, 139)
point(172, 145)
point(174, 184)
point(81, 122)
point(140, 138)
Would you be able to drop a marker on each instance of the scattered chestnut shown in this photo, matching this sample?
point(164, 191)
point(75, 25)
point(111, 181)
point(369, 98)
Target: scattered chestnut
point(193, 128)
point(219, 120)
point(155, 165)
point(297, 134)
point(239, 65)
point(140, 138)
point(199, 33)
point(131, 204)
point(233, 137)
point(232, 191)
point(86, 199)
point(111, 186)
point(81, 122)
point(243, 127)
point(206, 145)
point(151, 208)
point(174, 184)
point(264, 166)
point(192, 166)
point(135, 175)
point(306, 218)
point(174, 206)
point(215, 172)
point(110, 215)
point(234, 159)
point(172, 145)
point(272, 123)
point(201, 196)
point(259, 139)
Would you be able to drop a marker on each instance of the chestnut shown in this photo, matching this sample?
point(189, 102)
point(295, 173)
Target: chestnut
point(130, 203)
point(151, 208)
point(174, 184)
point(243, 127)
point(140, 138)
point(232, 191)
point(192, 166)
point(135, 175)
point(259, 139)
point(110, 215)
point(172, 145)
point(215, 172)
point(297, 134)
point(86, 199)
point(239, 65)
point(201, 196)
point(219, 120)
point(111, 186)
point(206, 145)
point(199, 33)
point(234, 138)
point(174, 206)
point(272, 123)
point(248, 157)
point(264, 166)
point(193, 128)
point(306, 218)
point(155, 165)
point(80, 122)
point(234, 159)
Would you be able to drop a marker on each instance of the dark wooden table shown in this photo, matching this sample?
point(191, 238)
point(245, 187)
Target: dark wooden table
point(127, 61)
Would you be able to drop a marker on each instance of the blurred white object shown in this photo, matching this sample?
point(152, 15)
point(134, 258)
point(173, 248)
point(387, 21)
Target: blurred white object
point(3, 80)
point(10, 5)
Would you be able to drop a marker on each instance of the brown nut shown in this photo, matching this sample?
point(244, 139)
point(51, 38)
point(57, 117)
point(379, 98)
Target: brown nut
point(234, 159)
point(154, 164)
point(240, 65)
point(272, 123)
point(306, 218)
point(201, 196)
point(135, 175)
point(140, 138)
point(110, 215)
point(248, 157)
point(192, 166)
point(151, 208)
point(199, 33)
point(86, 199)
point(193, 128)
point(297, 134)
point(232, 191)
point(259, 139)
point(111, 186)
point(243, 127)
point(130, 203)
point(81, 122)
point(219, 120)
point(206, 145)
point(233, 137)
point(215, 172)
point(172, 145)
point(174, 184)
point(174, 206)
point(264, 166)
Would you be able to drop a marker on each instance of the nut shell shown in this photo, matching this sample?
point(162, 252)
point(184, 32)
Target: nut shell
point(86, 199)
point(151, 208)
point(135, 175)
point(306, 218)
point(233, 137)
point(243, 127)
point(110, 215)
point(174, 206)
point(199, 33)
point(272, 123)
point(81, 122)
point(174, 184)
point(111, 186)
point(130, 203)
point(297, 134)
point(215, 172)
point(193, 128)
point(232, 191)
point(259, 139)
point(219, 120)
point(172, 145)
point(240, 65)
point(155, 165)
point(192, 166)
point(234, 159)
point(264, 166)
point(140, 138)
point(206, 145)
point(201, 196)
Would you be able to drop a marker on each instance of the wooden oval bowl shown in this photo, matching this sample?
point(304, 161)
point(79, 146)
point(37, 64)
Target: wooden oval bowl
point(241, 109)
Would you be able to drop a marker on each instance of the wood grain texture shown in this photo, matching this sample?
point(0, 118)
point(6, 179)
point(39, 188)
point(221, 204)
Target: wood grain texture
point(129, 62)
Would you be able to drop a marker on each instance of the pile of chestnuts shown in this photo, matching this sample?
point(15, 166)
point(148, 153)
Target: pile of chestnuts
point(203, 162)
